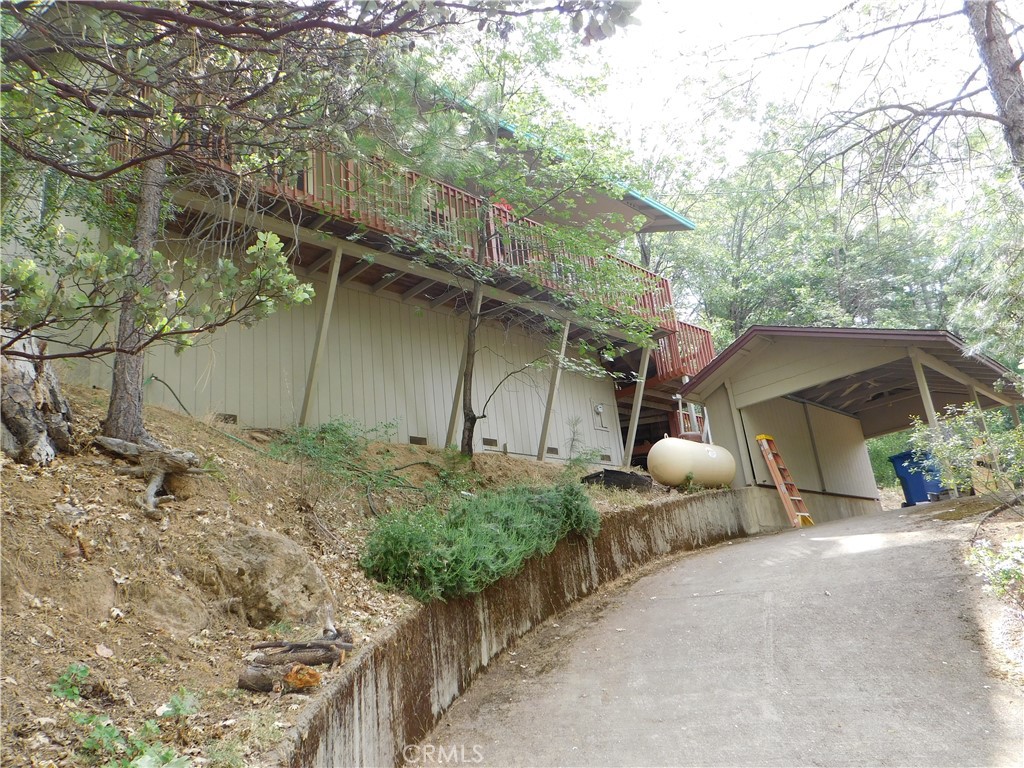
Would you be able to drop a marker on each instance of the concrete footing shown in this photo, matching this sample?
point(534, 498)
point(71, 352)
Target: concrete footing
point(394, 691)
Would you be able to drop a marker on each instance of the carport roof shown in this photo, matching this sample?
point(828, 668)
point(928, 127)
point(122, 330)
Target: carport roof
point(950, 370)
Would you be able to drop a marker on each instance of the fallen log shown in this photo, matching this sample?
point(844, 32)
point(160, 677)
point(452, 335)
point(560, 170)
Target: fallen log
point(276, 679)
point(310, 658)
point(155, 464)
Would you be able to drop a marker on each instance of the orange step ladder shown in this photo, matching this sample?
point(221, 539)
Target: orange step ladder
point(791, 498)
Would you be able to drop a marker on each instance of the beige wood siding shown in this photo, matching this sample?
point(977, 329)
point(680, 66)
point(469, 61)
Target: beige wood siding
point(843, 453)
point(723, 432)
point(789, 365)
point(385, 362)
point(785, 421)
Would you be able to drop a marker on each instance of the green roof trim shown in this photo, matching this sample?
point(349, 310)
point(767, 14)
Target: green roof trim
point(660, 208)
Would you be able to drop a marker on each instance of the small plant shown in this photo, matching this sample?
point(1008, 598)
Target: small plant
point(225, 754)
point(105, 743)
point(334, 448)
point(68, 685)
point(280, 629)
point(1002, 570)
point(177, 709)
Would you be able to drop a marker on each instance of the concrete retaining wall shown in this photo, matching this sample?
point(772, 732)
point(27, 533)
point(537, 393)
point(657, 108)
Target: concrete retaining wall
point(394, 691)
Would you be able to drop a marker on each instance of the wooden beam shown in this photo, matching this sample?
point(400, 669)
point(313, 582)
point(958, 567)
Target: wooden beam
point(317, 265)
point(634, 417)
point(321, 338)
point(387, 280)
point(445, 297)
point(556, 377)
point(418, 288)
point(358, 269)
point(956, 375)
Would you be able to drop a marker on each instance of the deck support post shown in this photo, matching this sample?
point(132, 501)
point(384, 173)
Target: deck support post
point(321, 337)
point(634, 415)
point(556, 377)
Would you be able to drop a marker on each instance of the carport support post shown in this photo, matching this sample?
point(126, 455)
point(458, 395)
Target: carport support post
point(926, 401)
point(634, 415)
point(922, 386)
point(556, 377)
point(321, 338)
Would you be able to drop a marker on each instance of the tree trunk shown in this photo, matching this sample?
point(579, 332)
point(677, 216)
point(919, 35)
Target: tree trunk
point(1005, 80)
point(469, 417)
point(124, 414)
point(36, 416)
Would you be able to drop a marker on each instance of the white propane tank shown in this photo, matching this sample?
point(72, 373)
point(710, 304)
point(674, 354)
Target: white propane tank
point(671, 460)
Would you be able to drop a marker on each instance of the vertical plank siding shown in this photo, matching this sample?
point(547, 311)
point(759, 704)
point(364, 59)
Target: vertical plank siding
point(386, 361)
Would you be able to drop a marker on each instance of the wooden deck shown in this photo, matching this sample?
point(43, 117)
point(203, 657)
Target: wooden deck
point(436, 215)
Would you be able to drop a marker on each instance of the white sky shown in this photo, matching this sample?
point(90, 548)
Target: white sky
point(661, 68)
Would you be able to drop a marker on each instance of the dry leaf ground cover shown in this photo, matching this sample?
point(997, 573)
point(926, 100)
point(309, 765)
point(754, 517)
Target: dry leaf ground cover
point(88, 580)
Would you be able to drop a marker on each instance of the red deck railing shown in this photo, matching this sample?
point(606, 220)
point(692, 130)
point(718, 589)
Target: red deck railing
point(377, 195)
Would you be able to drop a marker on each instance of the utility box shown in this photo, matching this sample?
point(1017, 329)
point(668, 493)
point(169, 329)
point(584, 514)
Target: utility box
point(916, 477)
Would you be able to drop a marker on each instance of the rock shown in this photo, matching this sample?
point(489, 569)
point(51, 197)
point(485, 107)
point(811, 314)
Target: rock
point(270, 577)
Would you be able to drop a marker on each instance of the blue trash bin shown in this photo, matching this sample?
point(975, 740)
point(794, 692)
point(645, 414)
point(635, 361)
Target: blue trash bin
point(916, 477)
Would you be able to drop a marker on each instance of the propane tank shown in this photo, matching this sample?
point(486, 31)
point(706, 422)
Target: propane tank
point(671, 460)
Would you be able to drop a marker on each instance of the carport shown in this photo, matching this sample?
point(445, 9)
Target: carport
point(822, 391)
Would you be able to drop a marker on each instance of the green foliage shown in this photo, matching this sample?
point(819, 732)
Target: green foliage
point(433, 555)
point(107, 745)
point(334, 448)
point(879, 451)
point(68, 283)
point(974, 448)
point(68, 685)
point(1002, 568)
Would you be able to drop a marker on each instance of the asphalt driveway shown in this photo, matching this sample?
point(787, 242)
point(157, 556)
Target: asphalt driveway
point(849, 643)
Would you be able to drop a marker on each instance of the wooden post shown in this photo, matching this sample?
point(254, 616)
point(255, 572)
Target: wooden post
point(634, 416)
point(321, 338)
point(742, 445)
point(922, 386)
point(453, 418)
point(556, 377)
point(926, 400)
point(973, 392)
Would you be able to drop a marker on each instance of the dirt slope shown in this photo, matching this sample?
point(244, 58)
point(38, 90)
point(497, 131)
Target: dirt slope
point(88, 579)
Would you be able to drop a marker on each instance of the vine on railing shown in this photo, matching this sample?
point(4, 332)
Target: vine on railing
point(408, 205)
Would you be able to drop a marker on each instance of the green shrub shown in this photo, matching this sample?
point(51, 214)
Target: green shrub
point(335, 448)
point(1002, 569)
point(435, 555)
point(975, 449)
point(879, 451)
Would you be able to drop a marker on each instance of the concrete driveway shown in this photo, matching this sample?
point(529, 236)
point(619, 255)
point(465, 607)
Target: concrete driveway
point(849, 643)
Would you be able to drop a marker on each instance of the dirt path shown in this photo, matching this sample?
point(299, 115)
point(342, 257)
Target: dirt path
point(851, 643)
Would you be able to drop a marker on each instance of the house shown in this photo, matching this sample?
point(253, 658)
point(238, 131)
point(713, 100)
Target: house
point(820, 392)
point(384, 340)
